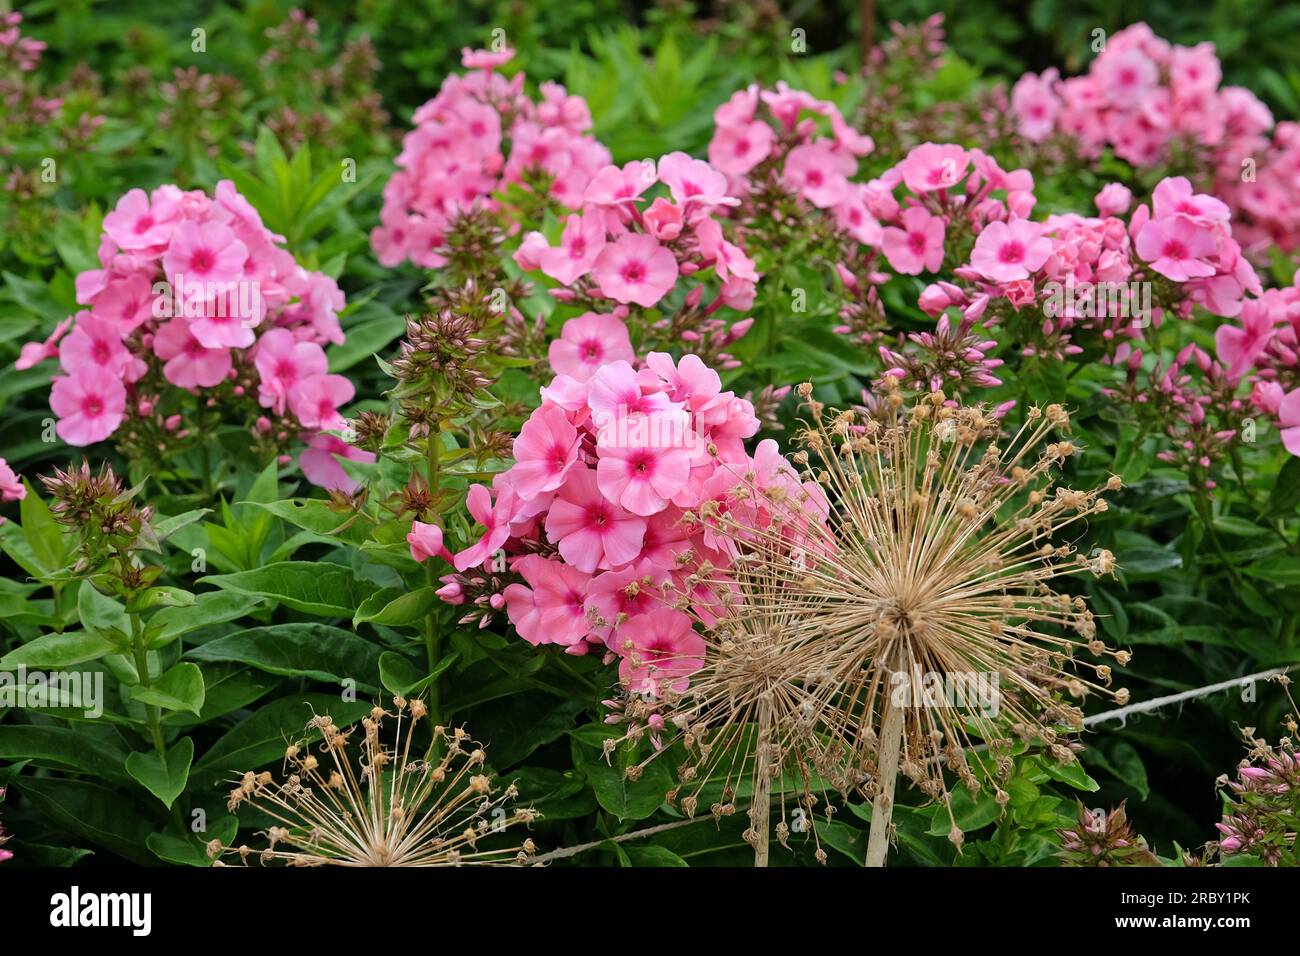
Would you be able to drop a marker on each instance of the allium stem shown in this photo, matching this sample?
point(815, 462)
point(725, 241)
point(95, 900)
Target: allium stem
point(760, 809)
point(882, 808)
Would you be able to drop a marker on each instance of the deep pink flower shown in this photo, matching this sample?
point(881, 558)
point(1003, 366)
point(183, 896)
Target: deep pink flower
point(615, 596)
point(635, 268)
point(918, 245)
point(90, 404)
point(1174, 195)
point(545, 451)
point(189, 364)
point(283, 362)
point(590, 531)
point(1005, 252)
point(1035, 105)
point(1238, 348)
point(588, 342)
point(1125, 76)
point(426, 542)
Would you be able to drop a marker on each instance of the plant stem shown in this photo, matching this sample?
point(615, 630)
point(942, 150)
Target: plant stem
point(141, 654)
point(760, 807)
point(882, 808)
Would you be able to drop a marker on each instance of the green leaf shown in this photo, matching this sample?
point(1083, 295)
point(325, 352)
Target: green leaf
point(299, 650)
point(191, 849)
point(626, 799)
point(1279, 569)
point(103, 816)
point(165, 527)
point(102, 615)
point(163, 775)
point(649, 855)
point(59, 650)
point(161, 596)
point(327, 590)
point(1286, 491)
point(1071, 773)
point(181, 688)
point(395, 608)
point(85, 750)
point(262, 737)
point(313, 514)
point(969, 813)
point(400, 676)
point(211, 607)
point(44, 535)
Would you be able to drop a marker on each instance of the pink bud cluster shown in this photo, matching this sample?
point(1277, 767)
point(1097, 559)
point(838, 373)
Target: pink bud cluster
point(194, 293)
point(608, 519)
point(479, 133)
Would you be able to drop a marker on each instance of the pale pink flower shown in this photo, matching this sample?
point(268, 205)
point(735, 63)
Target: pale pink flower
point(426, 542)
point(11, 486)
point(315, 403)
point(495, 522)
point(1177, 247)
point(1035, 105)
point(189, 363)
point(485, 59)
point(545, 451)
point(581, 244)
point(33, 353)
point(137, 225)
point(735, 150)
point(127, 301)
point(635, 268)
point(284, 361)
point(664, 220)
point(1124, 77)
point(644, 476)
point(551, 607)
point(590, 531)
point(660, 651)
point(90, 404)
point(918, 245)
point(1005, 252)
point(94, 341)
point(588, 342)
point(1238, 348)
point(932, 166)
point(1288, 414)
point(818, 173)
point(1114, 199)
point(612, 186)
point(694, 181)
point(204, 253)
point(319, 462)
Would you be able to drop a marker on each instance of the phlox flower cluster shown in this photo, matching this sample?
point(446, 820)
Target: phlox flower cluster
point(623, 251)
point(787, 141)
point(1155, 103)
point(605, 531)
point(195, 295)
point(1264, 350)
point(479, 133)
